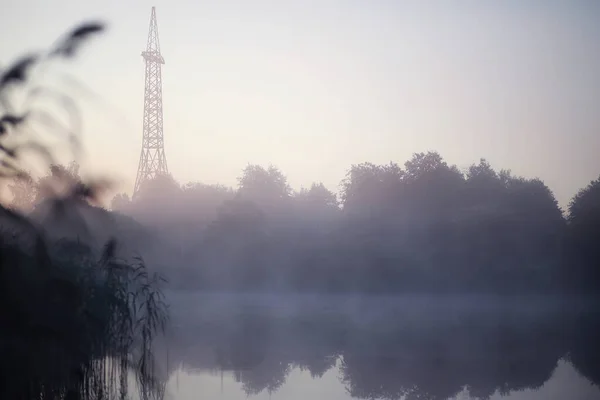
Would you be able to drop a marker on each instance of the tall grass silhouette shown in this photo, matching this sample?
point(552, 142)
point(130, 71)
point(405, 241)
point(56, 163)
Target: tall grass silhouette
point(76, 323)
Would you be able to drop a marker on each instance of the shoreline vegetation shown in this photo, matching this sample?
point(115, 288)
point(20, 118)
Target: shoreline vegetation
point(423, 228)
point(78, 322)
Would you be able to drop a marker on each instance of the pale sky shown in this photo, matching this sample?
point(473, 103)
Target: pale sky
point(314, 86)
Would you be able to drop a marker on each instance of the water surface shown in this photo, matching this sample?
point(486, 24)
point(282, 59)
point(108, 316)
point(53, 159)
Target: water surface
point(349, 347)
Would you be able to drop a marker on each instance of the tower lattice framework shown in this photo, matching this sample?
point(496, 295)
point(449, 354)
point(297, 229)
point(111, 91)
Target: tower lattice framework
point(152, 158)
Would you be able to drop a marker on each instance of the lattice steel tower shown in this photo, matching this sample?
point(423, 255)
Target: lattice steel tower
point(152, 157)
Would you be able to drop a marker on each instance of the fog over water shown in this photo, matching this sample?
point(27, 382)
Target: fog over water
point(232, 346)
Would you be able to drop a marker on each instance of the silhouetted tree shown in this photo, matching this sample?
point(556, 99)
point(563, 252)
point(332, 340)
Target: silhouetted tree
point(266, 187)
point(318, 196)
point(484, 186)
point(160, 189)
point(315, 207)
point(120, 202)
point(369, 189)
point(583, 262)
point(434, 189)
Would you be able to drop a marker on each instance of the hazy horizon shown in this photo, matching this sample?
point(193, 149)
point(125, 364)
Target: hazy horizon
point(313, 90)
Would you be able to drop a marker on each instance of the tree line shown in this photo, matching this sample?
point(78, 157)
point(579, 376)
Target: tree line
point(425, 225)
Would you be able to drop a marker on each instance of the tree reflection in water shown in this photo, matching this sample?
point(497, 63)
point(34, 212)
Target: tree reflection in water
point(434, 353)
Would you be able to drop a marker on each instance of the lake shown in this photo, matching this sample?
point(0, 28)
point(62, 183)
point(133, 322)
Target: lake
point(234, 346)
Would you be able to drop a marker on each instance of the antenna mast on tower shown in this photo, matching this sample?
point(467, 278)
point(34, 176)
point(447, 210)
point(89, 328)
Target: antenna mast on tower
point(152, 158)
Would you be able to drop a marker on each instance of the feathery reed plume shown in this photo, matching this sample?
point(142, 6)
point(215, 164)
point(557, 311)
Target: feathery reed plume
point(74, 325)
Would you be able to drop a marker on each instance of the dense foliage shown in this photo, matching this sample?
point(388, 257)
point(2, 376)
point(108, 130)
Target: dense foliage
point(75, 326)
point(424, 226)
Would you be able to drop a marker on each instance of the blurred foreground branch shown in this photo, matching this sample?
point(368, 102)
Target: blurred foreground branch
point(74, 325)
